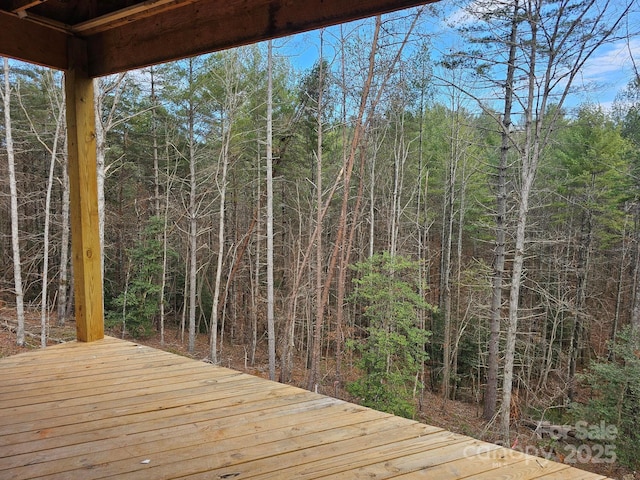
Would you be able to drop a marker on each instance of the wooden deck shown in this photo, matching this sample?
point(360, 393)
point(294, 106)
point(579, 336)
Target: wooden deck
point(114, 409)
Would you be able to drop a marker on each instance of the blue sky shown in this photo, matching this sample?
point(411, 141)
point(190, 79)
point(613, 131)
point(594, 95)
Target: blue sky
point(610, 69)
point(607, 72)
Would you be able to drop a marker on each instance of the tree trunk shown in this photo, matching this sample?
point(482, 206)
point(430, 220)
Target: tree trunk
point(528, 167)
point(271, 331)
point(15, 230)
point(52, 150)
point(105, 121)
point(213, 340)
point(349, 161)
point(318, 154)
point(635, 311)
point(582, 276)
point(162, 237)
point(193, 221)
point(491, 392)
point(255, 278)
point(44, 310)
point(341, 246)
point(63, 275)
point(445, 262)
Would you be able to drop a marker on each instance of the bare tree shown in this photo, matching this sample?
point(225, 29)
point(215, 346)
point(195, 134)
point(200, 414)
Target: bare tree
point(106, 119)
point(271, 331)
point(370, 98)
point(349, 162)
point(15, 228)
point(548, 44)
point(63, 274)
point(192, 211)
point(491, 391)
point(57, 105)
point(557, 44)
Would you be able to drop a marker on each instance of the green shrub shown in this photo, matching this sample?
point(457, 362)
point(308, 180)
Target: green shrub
point(616, 397)
point(135, 308)
point(392, 354)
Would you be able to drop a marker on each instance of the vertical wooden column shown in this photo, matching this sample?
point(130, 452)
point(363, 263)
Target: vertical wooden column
point(83, 193)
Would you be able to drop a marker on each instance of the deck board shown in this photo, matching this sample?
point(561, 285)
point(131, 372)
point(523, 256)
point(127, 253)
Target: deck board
point(115, 409)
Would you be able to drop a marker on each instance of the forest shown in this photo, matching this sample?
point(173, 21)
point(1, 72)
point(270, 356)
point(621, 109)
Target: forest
point(397, 218)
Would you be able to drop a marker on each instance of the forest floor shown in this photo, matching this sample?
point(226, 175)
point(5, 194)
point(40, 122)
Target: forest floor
point(458, 416)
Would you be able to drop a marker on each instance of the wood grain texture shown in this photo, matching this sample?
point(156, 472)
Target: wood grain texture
point(144, 33)
point(33, 43)
point(83, 195)
point(206, 26)
point(115, 409)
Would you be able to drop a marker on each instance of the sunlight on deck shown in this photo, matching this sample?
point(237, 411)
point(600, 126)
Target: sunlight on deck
point(115, 409)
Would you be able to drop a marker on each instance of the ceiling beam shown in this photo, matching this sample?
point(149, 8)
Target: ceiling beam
point(127, 15)
point(18, 6)
point(31, 42)
point(206, 26)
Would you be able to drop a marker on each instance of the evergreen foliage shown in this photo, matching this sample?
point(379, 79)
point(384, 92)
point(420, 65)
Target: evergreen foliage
point(423, 185)
point(136, 307)
point(392, 353)
point(616, 396)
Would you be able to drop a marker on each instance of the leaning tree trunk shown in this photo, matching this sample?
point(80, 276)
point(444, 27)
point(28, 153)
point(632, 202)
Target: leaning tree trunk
point(342, 221)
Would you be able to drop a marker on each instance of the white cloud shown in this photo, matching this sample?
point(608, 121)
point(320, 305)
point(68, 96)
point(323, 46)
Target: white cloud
point(608, 72)
point(613, 62)
point(470, 13)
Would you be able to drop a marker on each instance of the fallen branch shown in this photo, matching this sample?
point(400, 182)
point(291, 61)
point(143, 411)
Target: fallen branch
point(12, 328)
point(548, 429)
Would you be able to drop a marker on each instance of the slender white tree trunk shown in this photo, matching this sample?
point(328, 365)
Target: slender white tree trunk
point(319, 220)
point(15, 232)
point(193, 238)
point(165, 247)
point(101, 133)
point(162, 237)
point(222, 188)
point(53, 153)
point(271, 334)
point(105, 121)
point(372, 206)
point(528, 166)
point(448, 217)
point(44, 310)
point(63, 275)
point(193, 245)
point(255, 287)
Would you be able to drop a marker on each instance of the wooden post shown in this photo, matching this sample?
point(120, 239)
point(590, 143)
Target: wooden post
point(83, 193)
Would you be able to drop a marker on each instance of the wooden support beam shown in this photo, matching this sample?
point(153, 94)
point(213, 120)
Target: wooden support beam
point(18, 6)
point(127, 15)
point(83, 189)
point(28, 41)
point(204, 26)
